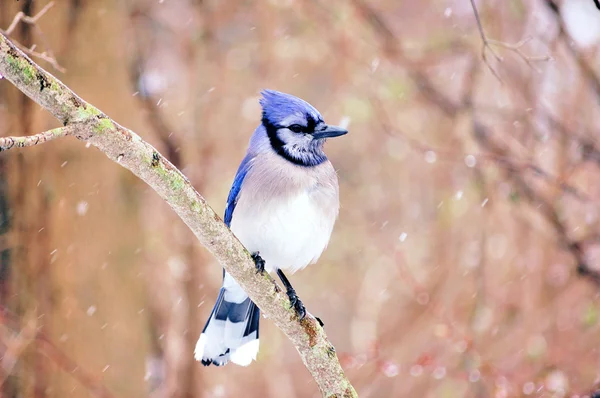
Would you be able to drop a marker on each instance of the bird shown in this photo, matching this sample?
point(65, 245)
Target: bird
point(282, 206)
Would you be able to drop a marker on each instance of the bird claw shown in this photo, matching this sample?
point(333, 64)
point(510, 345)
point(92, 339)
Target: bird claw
point(259, 262)
point(296, 304)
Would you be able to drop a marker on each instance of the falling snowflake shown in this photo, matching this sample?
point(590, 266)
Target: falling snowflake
point(430, 157)
point(82, 207)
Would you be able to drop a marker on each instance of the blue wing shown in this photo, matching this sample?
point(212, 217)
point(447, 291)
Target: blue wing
point(236, 187)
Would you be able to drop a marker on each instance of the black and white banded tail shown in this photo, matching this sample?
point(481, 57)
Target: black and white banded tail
point(231, 332)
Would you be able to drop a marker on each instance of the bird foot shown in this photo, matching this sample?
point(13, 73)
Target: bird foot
point(259, 262)
point(296, 304)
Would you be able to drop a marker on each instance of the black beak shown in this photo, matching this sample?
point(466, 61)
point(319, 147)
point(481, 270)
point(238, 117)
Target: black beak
point(329, 132)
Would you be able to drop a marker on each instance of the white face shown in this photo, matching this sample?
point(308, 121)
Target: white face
point(291, 139)
point(296, 135)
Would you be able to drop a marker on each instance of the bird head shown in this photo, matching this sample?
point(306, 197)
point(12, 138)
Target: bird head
point(295, 128)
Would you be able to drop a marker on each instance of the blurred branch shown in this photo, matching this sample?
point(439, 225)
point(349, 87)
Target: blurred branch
point(130, 151)
point(516, 48)
point(486, 43)
point(504, 159)
point(30, 333)
point(15, 346)
point(586, 69)
point(148, 102)
point(541, 204)
point(46, 55)
point(30, 20)
point(393, 51)
point(453, 156)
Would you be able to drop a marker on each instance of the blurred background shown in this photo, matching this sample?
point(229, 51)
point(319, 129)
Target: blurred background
point(466, 258)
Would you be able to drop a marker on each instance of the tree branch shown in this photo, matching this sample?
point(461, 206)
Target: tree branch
point(130, 151)
point(7, 143)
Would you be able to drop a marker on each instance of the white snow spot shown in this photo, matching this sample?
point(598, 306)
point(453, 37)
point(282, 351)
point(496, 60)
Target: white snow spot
point(152, 83)
point(82, 207)
point(458, 195)
point(536, 346)
point(461, 346)
point(344, 122)
point(91, 310)
point(582, 22)
point(251, 108)
point(470, 161)
point(374, 65)
point(557, 382)
point(439, 373)
point(416, 370)
point(218, 391)
point(423, 298)
point(430, 157)
point(403, 236)
point(474, 375)
point(177, 266)
point(528, 388)
point(497, 245)
point(448, 12)
point(390, 369)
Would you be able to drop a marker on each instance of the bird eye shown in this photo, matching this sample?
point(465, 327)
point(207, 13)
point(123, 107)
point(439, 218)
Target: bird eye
point(296, 128)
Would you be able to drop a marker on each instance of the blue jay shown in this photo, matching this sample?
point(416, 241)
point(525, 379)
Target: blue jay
point(282, 207)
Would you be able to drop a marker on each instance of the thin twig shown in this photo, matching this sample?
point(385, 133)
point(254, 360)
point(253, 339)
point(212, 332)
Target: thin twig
point(516, 48)
point(486, 44)
point(47, 56)
point(7, 143)
point(30, 20)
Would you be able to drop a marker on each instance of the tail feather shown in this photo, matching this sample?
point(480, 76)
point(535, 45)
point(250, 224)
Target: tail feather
point(231, 332)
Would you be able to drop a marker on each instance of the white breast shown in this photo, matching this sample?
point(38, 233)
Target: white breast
point(286, 212)
point(289, 232)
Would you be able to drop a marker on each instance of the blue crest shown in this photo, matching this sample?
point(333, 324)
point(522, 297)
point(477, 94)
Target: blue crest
point(277, 106)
